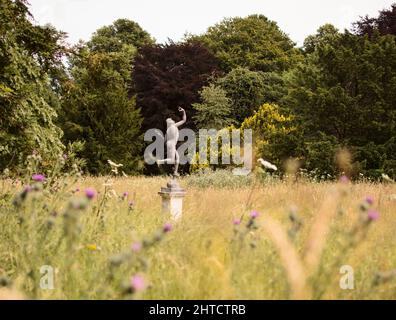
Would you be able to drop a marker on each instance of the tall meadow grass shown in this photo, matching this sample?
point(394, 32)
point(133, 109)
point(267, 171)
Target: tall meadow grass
point(106, 238)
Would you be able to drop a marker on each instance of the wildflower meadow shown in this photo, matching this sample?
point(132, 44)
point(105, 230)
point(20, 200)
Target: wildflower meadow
point(76, 237)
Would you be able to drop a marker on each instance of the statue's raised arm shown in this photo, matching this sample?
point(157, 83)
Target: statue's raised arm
point(180, 123)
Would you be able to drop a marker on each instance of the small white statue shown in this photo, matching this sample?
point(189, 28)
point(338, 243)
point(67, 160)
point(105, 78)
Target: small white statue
point(171, 138)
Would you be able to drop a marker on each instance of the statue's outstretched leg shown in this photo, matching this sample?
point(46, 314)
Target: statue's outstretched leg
point(174, 158)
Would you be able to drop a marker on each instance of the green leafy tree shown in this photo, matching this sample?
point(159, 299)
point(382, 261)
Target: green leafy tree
point(99, 111)
point(325, 34)
point(122, 32)
point(214, 112)
point(346, 90)
point(254, 42)
point(26, 97)
point(319, 156)
point(274, 87)
point(246, 89)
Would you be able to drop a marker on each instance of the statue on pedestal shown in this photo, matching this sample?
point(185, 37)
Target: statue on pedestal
point(172, 195)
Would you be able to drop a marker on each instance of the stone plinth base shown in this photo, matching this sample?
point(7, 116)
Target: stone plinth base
point(172, 199)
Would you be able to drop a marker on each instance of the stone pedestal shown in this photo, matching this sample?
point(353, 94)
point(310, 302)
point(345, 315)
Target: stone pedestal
point(172, 199)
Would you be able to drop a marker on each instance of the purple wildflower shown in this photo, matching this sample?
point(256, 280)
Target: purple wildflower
point(370, 200)
point(167, 228)
point(254, 214)
point(38, 177)
point(344, 179)
point(136, 247)
point(138, 283)
point(90, 193)
point(372, 215)
point(237, 222)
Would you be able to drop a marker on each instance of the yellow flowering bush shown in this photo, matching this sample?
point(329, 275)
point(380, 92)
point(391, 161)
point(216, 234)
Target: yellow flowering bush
point(275, 135)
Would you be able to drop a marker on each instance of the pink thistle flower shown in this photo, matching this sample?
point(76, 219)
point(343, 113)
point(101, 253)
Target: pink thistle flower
point(237, 222)
point(369, 200)
point(136, 247)
point(254, 214)
point(125, 195)
point(344, 179)
point(38, 177)
point(167, 228)
point(372, 215)
point(90, 193)
point(138, 283)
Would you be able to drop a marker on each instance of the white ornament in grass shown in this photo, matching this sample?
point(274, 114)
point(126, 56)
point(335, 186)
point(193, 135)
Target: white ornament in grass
point(114, 166)
point(267, 165)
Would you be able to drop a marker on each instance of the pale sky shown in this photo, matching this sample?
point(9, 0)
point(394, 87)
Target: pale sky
point(165, 19)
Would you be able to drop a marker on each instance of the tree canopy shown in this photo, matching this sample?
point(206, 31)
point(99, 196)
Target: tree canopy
point(214, 112)
point(346, 90)
point(384, 24)
point(246, 89)
point(168, 76)
point(26, 98)
point(122, 32)
point(98, 109)
point(337, 92)
point(254, 42)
